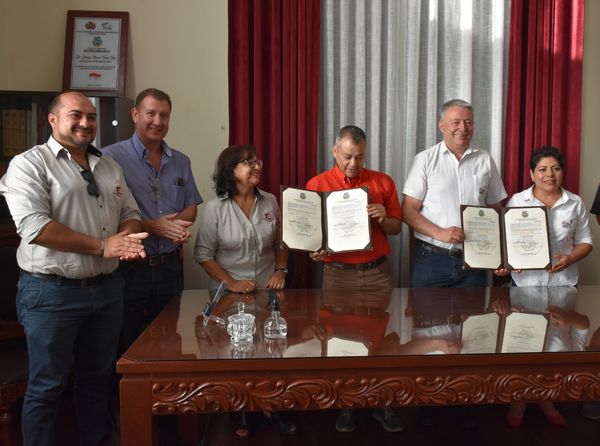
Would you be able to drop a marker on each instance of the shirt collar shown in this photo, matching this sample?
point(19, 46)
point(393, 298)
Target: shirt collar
point(141, 150)
point(341, 176)
point(225, 196)
point(57, 148)
point(470, 149)
point(529, 196)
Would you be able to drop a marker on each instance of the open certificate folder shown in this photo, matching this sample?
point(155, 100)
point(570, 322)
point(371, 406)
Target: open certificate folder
point(336, 221)
point(512, 238)
point(514, 333)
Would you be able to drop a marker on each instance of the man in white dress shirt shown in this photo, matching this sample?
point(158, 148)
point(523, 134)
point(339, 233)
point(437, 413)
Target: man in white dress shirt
point(442, 178)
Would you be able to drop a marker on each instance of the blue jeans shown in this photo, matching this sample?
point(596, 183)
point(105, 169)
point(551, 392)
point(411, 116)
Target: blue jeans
point(67, 326)
point(433, 270)
point(147, 290)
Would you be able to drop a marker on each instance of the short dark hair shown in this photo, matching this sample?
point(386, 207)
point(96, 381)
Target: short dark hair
point(223, 177)
point(157, 94)
point(456, 103)
point(56, 103)
point(545, 152)
point(356, 134)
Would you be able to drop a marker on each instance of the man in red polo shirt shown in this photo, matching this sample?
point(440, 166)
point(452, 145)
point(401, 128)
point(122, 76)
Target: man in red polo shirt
point(360, 269)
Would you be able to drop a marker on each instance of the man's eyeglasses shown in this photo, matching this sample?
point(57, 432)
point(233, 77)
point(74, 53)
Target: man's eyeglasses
point(92, 187)
point(252, 163)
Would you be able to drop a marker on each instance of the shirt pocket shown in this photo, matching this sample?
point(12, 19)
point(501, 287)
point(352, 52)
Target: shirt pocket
point(177, 194)
point(481, 182)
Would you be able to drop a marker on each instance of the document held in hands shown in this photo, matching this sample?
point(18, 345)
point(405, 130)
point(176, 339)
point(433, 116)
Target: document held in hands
point(512, 238)
point(336, 221)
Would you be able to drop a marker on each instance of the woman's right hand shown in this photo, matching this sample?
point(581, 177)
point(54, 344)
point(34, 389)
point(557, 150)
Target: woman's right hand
point(242, 286)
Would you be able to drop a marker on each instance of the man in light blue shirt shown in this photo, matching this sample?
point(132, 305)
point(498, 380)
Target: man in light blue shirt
point(163, 185)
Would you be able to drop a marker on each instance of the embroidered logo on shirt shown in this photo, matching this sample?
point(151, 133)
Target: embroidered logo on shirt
point(268, 216)
point(481, 190)
point(567, 223)
point(118, 192)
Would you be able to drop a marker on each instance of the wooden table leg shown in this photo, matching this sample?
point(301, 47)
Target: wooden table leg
point(137, 424)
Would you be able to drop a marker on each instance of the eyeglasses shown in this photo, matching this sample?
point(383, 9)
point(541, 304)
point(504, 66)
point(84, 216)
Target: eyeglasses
point(92, 187)
point(154, 188)
point(252, 163)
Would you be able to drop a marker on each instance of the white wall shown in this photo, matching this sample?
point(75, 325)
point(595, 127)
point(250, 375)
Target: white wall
point(178, 46)
point(181, 47)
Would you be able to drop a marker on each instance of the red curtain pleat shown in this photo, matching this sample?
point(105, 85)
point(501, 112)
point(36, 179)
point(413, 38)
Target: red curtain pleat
point(274, 85)
point(274, 62)
point(544, 87)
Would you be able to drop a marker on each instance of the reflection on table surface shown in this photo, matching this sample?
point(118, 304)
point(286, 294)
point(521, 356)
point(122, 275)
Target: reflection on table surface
point(400, 321)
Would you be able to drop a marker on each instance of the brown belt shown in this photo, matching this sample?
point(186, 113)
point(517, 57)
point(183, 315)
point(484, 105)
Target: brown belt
point(159, 259)
point(438, 249)
point(355, 266)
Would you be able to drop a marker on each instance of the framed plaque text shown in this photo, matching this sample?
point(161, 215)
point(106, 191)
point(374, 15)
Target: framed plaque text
point(96, 52)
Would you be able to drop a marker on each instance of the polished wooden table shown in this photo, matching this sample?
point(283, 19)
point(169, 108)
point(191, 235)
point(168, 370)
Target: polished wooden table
point(391, 348)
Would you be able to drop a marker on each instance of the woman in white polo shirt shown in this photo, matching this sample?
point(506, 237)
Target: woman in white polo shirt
point(570, 241)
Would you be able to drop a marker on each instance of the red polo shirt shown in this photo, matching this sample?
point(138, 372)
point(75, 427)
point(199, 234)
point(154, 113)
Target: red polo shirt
point(382, 190)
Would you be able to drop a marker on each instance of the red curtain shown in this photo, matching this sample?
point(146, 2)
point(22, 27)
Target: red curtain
point(274, 63)
point(544, 87)
point(274, 50)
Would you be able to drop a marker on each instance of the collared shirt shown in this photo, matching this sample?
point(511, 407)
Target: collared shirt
point(244, 247)
point(382, 190)
point(44, 184)
point(442, 183)
point(169, 191)
point(596, 204)
point(568, 224)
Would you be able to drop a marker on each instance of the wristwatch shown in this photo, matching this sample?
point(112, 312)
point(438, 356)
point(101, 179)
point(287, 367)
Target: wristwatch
point(285, 270)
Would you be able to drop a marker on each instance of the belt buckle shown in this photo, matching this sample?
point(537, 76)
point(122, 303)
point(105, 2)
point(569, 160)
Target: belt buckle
point(453, 252)
point(156, 260)
point(362, 266)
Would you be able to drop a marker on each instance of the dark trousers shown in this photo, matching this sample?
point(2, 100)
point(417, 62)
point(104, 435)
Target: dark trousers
point(147, 290)
point(433, 270)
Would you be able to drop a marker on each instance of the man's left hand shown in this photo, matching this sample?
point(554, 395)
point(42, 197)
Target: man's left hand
point(377, 211)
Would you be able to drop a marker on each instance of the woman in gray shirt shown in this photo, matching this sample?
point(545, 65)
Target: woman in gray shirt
point(238, 238)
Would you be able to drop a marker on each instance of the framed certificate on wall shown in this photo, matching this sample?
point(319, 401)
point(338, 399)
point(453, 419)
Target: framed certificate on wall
point(96, 52)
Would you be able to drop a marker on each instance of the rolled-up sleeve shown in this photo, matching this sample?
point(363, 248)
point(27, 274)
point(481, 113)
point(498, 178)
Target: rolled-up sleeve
point(130, 210)
point(207, 237)
point(583, 231)
point(26, 189)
